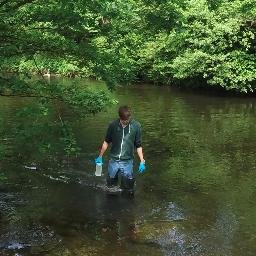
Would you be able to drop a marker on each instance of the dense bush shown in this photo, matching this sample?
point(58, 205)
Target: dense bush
point(125, 41)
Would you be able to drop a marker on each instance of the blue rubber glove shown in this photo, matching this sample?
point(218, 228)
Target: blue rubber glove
point(99, 160)
point(142, 167)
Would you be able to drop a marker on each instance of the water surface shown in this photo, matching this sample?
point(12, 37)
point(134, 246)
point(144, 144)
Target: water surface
point(197, 196)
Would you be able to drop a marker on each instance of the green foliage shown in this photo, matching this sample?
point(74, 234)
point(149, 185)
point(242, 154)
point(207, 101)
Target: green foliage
point(57, 66)
point(41, 135)
point(85, 101)
point(216, 44)
point(124, 41)
point(81, 99)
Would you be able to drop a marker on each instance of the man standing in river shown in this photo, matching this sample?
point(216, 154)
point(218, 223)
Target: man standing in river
point(124, 134)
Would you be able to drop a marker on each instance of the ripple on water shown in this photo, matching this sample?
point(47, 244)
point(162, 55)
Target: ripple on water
point(170, 211)
point(28, 238)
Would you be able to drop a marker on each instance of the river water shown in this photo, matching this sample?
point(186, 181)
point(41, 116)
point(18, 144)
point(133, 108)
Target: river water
point(197, 196)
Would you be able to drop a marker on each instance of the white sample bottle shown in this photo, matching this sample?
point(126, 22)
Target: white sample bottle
point(98, 170)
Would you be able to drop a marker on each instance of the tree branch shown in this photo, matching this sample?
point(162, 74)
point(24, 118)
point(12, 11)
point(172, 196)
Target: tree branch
point(17, 6)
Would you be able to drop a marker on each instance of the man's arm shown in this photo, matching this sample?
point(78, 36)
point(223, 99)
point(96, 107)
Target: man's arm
point(107, 141)
point(138, 144)
point(104, 147)
point(140, 154)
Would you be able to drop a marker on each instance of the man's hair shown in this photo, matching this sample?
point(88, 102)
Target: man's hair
point(124, 112)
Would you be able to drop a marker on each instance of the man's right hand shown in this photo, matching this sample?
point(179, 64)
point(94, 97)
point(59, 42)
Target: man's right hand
point(99, 160)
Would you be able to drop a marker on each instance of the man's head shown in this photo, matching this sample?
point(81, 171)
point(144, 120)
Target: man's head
point(124, 114)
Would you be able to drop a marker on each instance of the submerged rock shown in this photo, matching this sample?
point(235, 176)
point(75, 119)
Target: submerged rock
point(150, 231)
point(168, 236)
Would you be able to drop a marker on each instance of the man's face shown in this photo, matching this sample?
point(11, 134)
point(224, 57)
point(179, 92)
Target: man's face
point(124, 122)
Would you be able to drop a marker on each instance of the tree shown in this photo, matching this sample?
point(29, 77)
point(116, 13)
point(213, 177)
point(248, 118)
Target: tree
point(52, 28)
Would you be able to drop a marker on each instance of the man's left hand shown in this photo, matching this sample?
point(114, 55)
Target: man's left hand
point(142, 167)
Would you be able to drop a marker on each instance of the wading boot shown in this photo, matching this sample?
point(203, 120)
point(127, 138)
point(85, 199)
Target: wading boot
point(112, 184)
point(127, 186)
point(112, 181)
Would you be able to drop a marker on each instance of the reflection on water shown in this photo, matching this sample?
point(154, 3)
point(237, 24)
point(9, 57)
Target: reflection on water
point(197, 196)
